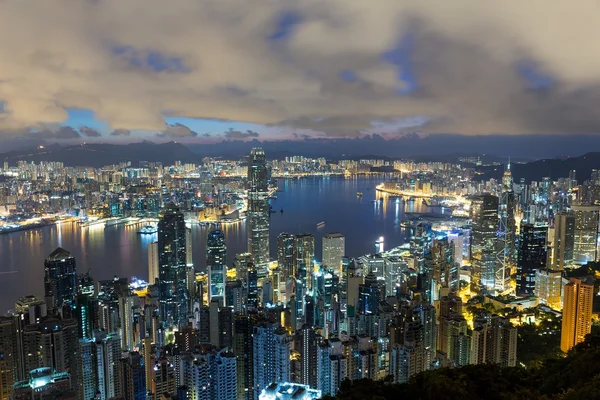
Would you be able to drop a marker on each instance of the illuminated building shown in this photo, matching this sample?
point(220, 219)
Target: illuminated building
point(60, 281)
point(271, 356)
point(506, 256)
point(285, 255)
point(586, 233)
point(31, 309)
point(163, 378)
point(126, 304)
point(332, 366)
point(89, 371)
point(243, 350)
point(531, 257)
point(152, 262)
point(484, 217)
point(8, 356)
point(132, 372)
point(306, 345)
point(334, 249)
point(369, 295)
point(108, 353)
point(243, 263)
point(577, 313)
point(216, 263)
point(304, 255)
point(42, 382)
point(289, 391)
point(258, 208)
point(564, 240)
point(379, 245)
point(172, 285)
point(548, 288)
point(210, 375)
point(494, 342)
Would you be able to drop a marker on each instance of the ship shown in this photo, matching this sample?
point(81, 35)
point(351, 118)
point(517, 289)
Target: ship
point(321, 224)
point(359, 194)
point(148, 230)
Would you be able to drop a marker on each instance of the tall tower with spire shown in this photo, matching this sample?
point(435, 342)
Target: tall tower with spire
point(507, 251)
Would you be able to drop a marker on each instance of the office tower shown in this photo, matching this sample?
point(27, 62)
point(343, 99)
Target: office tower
point(152, 263)
point(494, 341)
point(131, 367)
point(506, 256)
point(243, 350)
point(285, 255)
point(484, 216)
point(252, 301)
point(126, 303)
point(163, 378)
point(242, 263)
point(577, 313)
point(148, 363)
point(216, 263)
point(258, 208)
point(548, 288)
point(532, 256)
point(369, 295)
point(108, 354)
point(60, 281)
point(271, 356)
point(586, 233)
point(441, 269)
point(172, 287)
point(8, 356)
point(304, 255)
point(564, 240)
point(305, 342)
point(189, 262)
point(85, 306)
point(334, 249)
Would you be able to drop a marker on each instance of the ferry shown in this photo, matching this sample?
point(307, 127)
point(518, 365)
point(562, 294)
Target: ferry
point(321, 224)
point(359, 194)
point(148, 230)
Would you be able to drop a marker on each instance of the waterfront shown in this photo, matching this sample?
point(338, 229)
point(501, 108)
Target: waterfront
point(119, 250)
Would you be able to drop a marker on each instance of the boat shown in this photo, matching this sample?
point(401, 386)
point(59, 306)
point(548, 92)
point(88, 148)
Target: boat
point(321, 224)
point(282, 210)
point(148, 230)
point(359, 194)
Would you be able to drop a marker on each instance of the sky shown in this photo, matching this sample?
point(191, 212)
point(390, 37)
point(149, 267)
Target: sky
point(204, 71)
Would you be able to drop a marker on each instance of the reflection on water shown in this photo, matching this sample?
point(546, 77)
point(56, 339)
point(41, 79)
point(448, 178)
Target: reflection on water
point(119, 250)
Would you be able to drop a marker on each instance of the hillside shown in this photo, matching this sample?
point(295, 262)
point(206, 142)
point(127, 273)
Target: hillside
point(576, 376)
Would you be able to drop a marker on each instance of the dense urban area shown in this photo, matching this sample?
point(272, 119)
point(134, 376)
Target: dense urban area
point(505, 277)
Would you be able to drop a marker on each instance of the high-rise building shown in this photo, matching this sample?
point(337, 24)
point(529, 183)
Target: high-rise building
point(108, 354)
point(531, 257)
point(564, 240)
point(369, 295)
point(163, 378)
point(548, 288)
point(306, 344)
point(484, 214)
point(304, 255)
point(210, 375)
point(506, 256)
point(152, 262)
point(494, 342)
point(334, 249)
point(8, 356)
point(60, 281)
point(577, 313)
point(172, 259)
point(285, 255)
point(131, 368)
point(243, 350)
point(216, 263)
point(271, 356)
point(258, 208)
point(586, 233)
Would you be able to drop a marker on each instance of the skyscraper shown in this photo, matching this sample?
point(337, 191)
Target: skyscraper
point(8, 356)
point(334, 249)
point(172, 285)
point(271, 356)
point(531, 257)
point(304, 255)
point(586, 233)
point(285, 254)
point(484, 214)
point(577, 313)
point(60, 280)
point(506, 255)
point(564, 240)
point(152, 262)
point(258, 208)
point(216, 263)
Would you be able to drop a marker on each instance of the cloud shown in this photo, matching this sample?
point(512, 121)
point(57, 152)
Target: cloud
point(62, 132)
point(120, 132)
point(178, 130)
point(89, 132)
point(236, 135)
point(341, 67)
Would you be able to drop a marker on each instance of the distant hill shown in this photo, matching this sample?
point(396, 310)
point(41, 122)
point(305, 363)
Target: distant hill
point(554, 168)
point(97, 155)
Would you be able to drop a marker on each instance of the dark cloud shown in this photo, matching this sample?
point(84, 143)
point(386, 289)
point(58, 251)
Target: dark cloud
point(178, 130)
point(89, 132)
point(63, 132)
point(120, 132)
point(235, 134)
